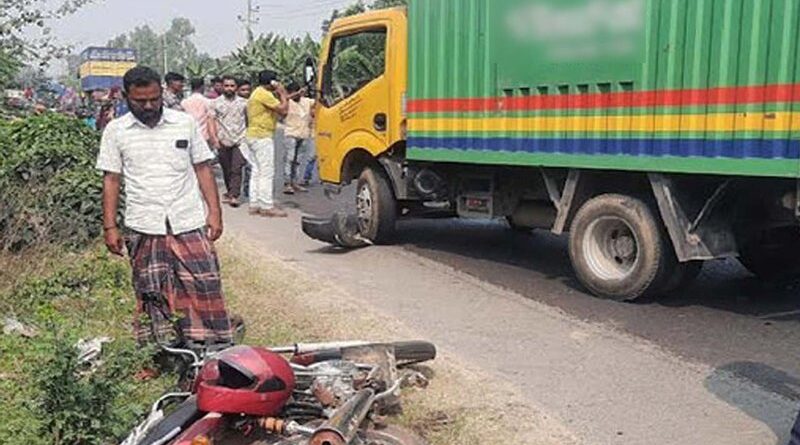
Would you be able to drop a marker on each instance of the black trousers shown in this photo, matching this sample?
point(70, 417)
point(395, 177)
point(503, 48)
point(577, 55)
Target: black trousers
point(232, 162)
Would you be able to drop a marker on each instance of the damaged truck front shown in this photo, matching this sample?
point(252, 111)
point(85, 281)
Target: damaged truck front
point(658, 134)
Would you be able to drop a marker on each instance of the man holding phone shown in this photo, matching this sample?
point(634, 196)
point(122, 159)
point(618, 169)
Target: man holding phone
point(172, 211)
point(267, 105)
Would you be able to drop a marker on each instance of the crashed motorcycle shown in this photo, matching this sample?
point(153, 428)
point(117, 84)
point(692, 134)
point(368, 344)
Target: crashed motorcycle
point(304, 394)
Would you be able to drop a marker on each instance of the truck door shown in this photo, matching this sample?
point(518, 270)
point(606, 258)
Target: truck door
point(354, 100)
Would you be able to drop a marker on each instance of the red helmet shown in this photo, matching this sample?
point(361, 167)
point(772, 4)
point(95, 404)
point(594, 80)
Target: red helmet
point(245, 380)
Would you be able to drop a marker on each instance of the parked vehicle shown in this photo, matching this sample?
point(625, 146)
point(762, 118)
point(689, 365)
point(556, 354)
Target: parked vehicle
point(658, 134)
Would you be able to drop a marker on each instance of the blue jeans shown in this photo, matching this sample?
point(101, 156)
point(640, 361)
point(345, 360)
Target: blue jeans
point(310, 174)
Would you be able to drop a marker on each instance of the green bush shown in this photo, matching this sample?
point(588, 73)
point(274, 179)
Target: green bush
point(42, 146)
point(49, 191)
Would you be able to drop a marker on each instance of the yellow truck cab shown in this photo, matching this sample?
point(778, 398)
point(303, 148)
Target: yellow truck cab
point(363, 84)
point(658, 135)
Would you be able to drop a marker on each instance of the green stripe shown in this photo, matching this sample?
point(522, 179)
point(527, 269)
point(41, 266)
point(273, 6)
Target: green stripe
point(716, 135)
point(634, 111)
point(720, 166)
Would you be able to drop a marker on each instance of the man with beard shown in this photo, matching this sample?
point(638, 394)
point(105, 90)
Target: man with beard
point(230, 113)
point(172, 213)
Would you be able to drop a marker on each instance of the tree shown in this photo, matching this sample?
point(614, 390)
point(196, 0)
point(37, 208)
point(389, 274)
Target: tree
point(25, 33)
point(179, 46)
point(359, 7)
point(269, 51)
point(150, 46)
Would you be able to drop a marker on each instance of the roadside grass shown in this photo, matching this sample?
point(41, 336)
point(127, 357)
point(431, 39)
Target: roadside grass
point(47, 397)
point(281, 305)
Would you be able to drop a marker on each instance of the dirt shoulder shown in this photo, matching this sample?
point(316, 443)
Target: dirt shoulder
point(283, 303)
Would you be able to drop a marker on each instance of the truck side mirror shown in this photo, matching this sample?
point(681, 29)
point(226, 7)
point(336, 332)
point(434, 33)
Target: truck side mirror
point(310, 72)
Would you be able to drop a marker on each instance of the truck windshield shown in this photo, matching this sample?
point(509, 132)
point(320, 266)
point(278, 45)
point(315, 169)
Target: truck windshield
point(355, 60)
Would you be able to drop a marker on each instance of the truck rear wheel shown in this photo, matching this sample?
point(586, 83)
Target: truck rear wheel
point(376, 207)
point(618, 249)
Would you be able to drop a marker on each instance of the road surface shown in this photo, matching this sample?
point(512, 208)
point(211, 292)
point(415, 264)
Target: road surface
point(717, 364)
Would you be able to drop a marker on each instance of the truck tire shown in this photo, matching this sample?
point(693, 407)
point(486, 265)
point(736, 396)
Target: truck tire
point(774, 255)
point(618, 248)
point(375, 206)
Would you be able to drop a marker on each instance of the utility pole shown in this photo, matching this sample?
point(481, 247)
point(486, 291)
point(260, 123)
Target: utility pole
point(249, 19)
point(164, 52)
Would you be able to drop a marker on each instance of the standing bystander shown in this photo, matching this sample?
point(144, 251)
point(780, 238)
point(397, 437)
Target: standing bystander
point(297, 135)
point(263, 111)
point(200, 108)
point(216, 88)
point(172, 211)
point(245, 88)
point(230, 114)
point(173, 94)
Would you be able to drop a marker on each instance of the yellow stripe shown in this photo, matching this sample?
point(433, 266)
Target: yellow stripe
point(719, 122)
point(116, 69)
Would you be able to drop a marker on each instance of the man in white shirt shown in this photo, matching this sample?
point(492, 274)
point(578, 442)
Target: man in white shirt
point(172, 211)
point(297, 134)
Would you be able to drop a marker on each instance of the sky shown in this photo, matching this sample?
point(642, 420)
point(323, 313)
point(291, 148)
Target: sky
point(218, 30)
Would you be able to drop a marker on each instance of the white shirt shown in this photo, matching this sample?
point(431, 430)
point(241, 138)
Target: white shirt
point(157, 165)
point(298, 119)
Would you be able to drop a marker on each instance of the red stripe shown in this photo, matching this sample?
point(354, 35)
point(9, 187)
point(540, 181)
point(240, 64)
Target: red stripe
point(666, 98)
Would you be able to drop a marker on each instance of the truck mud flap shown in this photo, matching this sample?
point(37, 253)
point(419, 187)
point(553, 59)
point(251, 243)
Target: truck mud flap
point(339, 230)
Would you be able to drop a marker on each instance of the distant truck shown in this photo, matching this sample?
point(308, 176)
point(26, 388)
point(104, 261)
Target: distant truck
point(103, 68)
point(659, 133)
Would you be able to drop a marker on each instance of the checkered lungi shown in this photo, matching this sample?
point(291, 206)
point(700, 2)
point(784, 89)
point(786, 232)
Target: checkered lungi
point(184, 271)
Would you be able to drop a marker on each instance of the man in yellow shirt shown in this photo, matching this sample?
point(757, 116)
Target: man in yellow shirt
point(264, 110)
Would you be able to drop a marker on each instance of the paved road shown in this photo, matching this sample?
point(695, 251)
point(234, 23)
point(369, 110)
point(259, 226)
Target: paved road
point(733, 340)
point(727, 319)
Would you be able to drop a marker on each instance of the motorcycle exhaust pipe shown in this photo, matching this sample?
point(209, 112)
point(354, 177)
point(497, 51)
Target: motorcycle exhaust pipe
point(342, 427)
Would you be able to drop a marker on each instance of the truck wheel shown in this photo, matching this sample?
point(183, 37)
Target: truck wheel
point(618, 248)
point(774, 255)
point(376, 207)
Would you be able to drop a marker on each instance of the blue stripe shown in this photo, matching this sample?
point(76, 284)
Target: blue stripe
point(734, 149)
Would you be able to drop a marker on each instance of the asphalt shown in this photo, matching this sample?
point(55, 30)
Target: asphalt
point(715, 364)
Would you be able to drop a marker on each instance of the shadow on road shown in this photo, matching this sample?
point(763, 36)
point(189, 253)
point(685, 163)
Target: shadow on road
point(724, 285)
point(752, 388)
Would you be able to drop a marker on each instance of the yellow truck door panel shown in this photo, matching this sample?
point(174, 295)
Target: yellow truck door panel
point(355, 97)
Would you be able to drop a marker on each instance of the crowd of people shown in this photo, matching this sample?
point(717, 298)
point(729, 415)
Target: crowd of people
point(260, 135)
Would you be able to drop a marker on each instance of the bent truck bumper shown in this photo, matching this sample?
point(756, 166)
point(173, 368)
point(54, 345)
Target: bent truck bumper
point(339, 230)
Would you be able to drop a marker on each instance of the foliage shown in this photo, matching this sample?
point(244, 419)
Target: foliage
point(47, 395)
point(147, 43)
point(358, 7)
point(25, 32)
point(269, 51)
point(176, 42)
point(9, 67)
point(49, 192)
